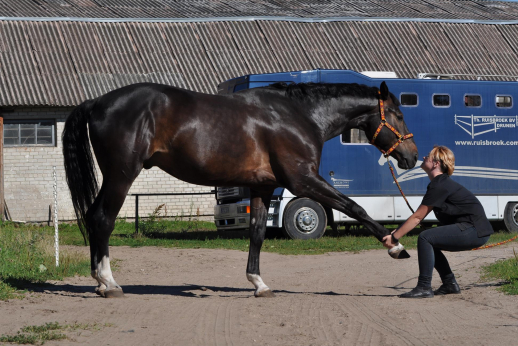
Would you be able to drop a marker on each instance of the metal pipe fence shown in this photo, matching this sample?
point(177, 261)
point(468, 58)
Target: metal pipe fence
point(212, 192)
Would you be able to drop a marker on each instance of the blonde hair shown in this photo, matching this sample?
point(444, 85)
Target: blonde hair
point(445, 157)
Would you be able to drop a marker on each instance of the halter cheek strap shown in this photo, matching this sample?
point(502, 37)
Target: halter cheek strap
point(400, 138)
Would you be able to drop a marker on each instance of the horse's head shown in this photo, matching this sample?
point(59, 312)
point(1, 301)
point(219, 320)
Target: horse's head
point(386, 129)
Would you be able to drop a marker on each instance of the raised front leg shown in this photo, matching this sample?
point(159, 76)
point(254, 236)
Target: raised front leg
point(315, 187)
point(259, 204)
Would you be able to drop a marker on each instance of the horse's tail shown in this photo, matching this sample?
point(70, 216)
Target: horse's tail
point(79, 163)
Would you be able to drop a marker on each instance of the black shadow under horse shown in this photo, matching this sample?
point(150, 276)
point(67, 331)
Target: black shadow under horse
point(260, 138)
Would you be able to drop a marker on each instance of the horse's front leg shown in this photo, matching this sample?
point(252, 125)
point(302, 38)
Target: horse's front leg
point(259, 204)
point(315, 187)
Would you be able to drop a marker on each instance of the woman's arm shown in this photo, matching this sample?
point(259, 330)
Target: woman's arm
point(409, 225)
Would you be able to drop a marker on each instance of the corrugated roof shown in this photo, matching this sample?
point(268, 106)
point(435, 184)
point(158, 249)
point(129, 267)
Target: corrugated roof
point(87, 56)
point(194, 64)
point(376, 40)
point(316, 45)
point(471, 49)
point(510, 35)
point(64, 62)
point(221, 50)
point(159, 63)
point(407, 42)
point(121, 55)
point(475, 9)
point(342, 36)
point(441, 48)
point(21, 74)
point(285, 45)
point(255, 50)
point(56, 68)
point(501, 53)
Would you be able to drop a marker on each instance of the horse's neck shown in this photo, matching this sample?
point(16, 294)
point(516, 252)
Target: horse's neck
point(334, 116)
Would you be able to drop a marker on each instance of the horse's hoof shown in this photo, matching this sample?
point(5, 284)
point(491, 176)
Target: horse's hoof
point(113, 293)
point(403, 254)
point(265, 294)
point(99, 292)
point(398, 252)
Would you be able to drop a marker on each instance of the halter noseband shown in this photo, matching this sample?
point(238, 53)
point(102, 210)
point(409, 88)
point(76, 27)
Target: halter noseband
point(400, 138)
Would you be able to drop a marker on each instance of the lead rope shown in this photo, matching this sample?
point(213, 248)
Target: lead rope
point(402, 194)
point(398, 186)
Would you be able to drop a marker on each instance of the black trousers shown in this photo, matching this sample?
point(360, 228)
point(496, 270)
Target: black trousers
point(433, 241)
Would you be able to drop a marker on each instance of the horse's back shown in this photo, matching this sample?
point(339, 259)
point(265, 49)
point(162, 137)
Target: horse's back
point(200, 138)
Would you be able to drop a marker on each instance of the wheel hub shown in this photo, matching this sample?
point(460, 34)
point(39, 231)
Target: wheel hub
point(306, 220)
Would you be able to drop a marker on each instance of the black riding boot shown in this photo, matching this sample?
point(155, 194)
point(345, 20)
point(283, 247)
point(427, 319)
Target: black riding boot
point(418, 292)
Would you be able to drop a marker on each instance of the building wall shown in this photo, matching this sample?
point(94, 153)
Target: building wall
point(29, 191)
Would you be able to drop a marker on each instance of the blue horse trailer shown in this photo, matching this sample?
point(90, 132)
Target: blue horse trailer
point(478, 120)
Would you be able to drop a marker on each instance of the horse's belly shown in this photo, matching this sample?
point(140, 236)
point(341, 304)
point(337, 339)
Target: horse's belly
point(216, 171)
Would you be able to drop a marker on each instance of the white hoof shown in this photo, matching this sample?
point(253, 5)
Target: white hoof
point(398, 252)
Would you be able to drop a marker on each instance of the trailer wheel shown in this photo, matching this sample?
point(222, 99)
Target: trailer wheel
point(511, 216)
point(304, 219)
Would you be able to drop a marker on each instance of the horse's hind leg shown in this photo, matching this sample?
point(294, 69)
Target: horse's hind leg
point(101, 217)
point(260, 203)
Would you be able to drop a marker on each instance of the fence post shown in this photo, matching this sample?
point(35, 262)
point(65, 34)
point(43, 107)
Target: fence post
point(56, 227)
point(136, 214)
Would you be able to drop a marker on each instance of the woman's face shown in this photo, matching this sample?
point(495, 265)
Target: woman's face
point(427, 164)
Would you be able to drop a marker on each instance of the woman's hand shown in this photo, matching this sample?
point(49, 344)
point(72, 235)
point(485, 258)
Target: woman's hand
point(387, 241)
point(406, 227)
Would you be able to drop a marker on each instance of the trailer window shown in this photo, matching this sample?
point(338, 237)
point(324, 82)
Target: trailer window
point(472, 100)
point(504, 101)
point(408, 99)
point(441, 100)
point(354, 136)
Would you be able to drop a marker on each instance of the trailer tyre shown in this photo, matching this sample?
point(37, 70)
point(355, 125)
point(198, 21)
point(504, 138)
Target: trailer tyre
point(304, 219)
point(511, 217)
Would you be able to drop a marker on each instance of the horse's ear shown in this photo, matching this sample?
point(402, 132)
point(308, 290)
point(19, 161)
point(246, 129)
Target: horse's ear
point(384, 91)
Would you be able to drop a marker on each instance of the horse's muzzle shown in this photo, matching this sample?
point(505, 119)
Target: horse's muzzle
point(408, 162)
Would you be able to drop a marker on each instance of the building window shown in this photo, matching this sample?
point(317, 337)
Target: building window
point(354, 136)
point(441, 100)
point(472, 100)
point(408, 100)
point(19, 133)
point(504, 101)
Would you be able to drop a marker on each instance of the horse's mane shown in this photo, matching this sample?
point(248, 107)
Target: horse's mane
point(322, 91)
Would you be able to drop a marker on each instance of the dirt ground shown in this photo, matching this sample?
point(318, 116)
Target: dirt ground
point(202, 297)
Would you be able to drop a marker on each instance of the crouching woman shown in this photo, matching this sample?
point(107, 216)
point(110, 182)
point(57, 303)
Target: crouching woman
point(464, 225)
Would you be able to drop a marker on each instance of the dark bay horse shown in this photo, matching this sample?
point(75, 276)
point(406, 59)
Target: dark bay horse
point(260, 138)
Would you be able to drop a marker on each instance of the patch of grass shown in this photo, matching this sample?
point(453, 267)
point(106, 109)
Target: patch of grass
point(181, 234)
point(505, 271)
point(27, 256)
point(38, 335)
point(9, 292)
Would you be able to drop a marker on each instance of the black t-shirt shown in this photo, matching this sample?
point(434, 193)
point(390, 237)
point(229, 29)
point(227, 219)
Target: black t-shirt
point(453, 204)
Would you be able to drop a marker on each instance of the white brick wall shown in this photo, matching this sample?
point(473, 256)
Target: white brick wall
point(29, 186)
